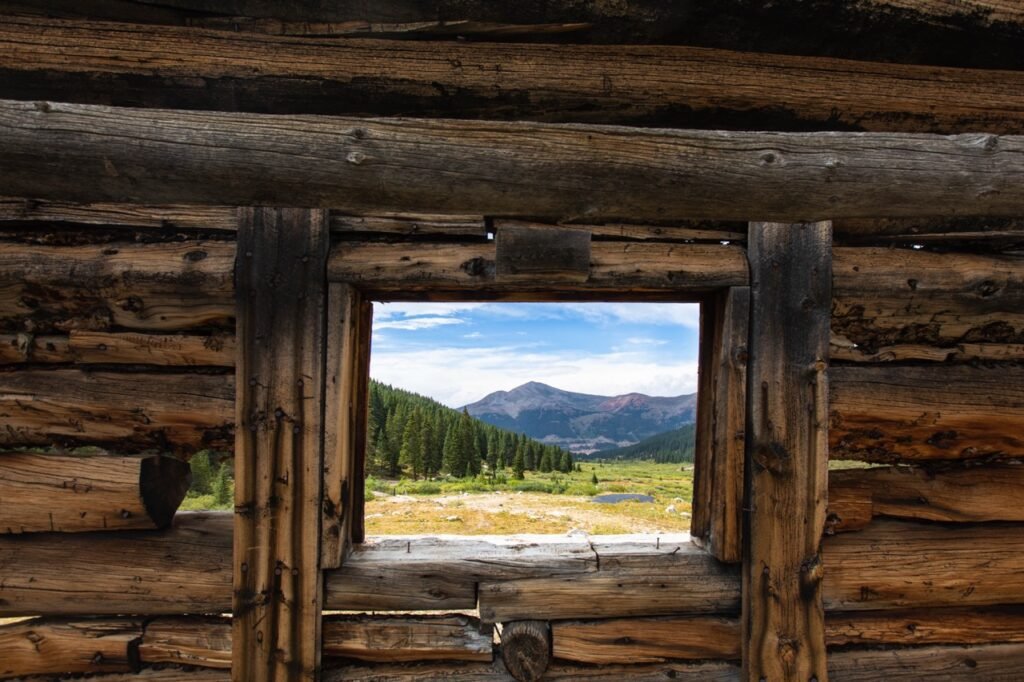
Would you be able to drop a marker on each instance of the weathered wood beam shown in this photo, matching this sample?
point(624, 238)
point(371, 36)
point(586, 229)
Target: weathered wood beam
point(847, 351)
point(979, 625)
point(85, 347)
point(526, 649)
point(279, 445)
point(397, 269)
point(990, 492)
point(996, 662)
point(70, 494)
point(174, 67)
point(559, 672)
point(360, 420)
point(911, 413)
point(132, 410)
point(182, 217)
point(511, 169)
point(971, 32)
point(145, 287)
point(646, 640)
point(786, 462)
point(886, 296)
point(721, 500)
point(57, 647)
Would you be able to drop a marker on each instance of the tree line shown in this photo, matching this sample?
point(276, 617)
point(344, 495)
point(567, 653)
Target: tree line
point(412, 435)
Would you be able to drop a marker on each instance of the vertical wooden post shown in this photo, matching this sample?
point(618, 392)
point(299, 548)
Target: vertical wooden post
point(721, 410)
point(787, 452)
point(281, 284)
point(360, 415)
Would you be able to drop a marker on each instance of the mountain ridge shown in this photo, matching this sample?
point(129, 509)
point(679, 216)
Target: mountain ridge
point(583, 422)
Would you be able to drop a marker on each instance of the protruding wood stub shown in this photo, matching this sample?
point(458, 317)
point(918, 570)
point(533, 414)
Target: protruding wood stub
point(526, 649)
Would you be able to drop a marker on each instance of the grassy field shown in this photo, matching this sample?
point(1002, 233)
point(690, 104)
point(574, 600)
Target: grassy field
point(542, 503)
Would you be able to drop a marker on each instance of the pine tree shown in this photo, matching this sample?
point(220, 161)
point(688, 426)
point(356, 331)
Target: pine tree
point(593, 478)
point(492, 451)
point(518, 465)
point(530, 456)
point(545, 461)
point(451, 454)
point(427, 445)
point(411, 454)
point(223, 490)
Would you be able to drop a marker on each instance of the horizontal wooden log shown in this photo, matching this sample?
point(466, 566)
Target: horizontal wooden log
point(157, 674)
point(896, 565)
point(884, 296)
point(846, 351)
point(52, 646)
point(125, 215)
point(655, 640)
point(175, 67)
point(512, 169)
point(692, 230)
point(71, 494)
point(891, 414)
point(952, 494)
point(991, 662)
point(431, 573)
point(646, 640)
point(976, 32)
point(993, 232)
point(184, 569)
point(206, 642)
point(496, 672)
point(105, 348)
point(651, 577)
point(151, 287)
point(384, 269)
point(983, 625)
point(181, 412)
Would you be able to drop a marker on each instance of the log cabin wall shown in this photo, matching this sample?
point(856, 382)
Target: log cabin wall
point(118, 346)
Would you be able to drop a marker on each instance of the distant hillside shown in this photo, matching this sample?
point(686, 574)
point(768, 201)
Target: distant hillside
point(583, 422)
point(672, 446)
point(412, 435)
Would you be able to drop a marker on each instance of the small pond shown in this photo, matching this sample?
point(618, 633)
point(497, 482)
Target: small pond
point(613, 498)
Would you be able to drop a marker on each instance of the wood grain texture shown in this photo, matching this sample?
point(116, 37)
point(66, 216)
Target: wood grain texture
point(132, 410)
point(526, 649)
point(187, 640)
point(786, 463)
point(990, 492)
point(361, 418)
point(892, 414)
point(646, 640)
point(382, 269)
point(184, 217)
point(132, 65)
point(560, 672)
point(342, 403)
point(846, 351)
point(895, 565)
point(184, 569)
point(512, 169)
point(977, 625)
point(50, 646)
point(279, 445)
point(886, 296)
point(703, 450)
point(106, 348)
point(727, 428)
point(972, 32)
point(142, 287)
point(992, 662)
point(72, 494)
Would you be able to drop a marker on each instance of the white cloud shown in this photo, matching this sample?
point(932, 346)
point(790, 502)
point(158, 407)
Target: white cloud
point(414, 323)
point(473, 335)
point(646, 341)
point(457, 376)
point(684, 314)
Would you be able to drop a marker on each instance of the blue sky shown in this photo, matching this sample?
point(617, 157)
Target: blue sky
point(459, 352)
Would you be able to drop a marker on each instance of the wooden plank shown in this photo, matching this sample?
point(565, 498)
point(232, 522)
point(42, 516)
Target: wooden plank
point(892, 414)
point(104, 348)
point(466, 227)
point(49, 646)
point(159, 674)
point(654, 577)
point(980, 625)
point(143, 65)
point(517, 169)
point(646, 640)
point(181, 217)
point(496, 672)
point(992, 662)
point(690, 230)
point(184, 569)
point(526, 253)
point(886, 296)
point(703, 452)
point(385, 268)
point(130, 410)
point(895, 565)
point(361, 418)
point(432, 573)
point(989, 492)
point(846, 351)
point(343, 303)
point(724, 539)
point(144, 287)
point(207, 641)
point(786, 465)
point(72, 494)
point(279, 445)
